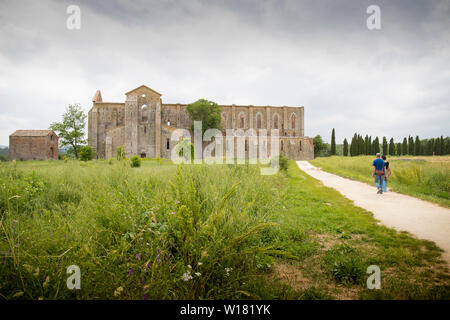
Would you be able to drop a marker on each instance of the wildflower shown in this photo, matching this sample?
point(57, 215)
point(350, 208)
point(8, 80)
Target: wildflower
point(200, 263)
point(15, 220)
point(140, 280)
point(198, 274)
point(59, 262)
point(118, 291)
point(130, 272)
point(137, 256)
point(148, 267)
point(173, 212)
point(158, 257)
point(120, 259)
point(228, 270)
point(189, 266)
point(145, 297)
point(187, 276)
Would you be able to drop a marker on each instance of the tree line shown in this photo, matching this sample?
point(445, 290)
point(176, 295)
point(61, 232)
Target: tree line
point(366, 145)
point(360, 145)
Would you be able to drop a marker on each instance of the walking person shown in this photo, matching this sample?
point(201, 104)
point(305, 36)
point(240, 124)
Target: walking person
point(387, 173)
point(378, 172)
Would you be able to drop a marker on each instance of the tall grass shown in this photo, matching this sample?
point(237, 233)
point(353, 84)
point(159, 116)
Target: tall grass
point(424, 177)
point(163, 232)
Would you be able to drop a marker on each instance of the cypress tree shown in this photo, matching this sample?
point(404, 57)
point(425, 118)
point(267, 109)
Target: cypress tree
point(369, 147)
point(442, 146)
point(399, 149)
point(333, 143)
point(447, 145)
point(417, 148)
point(437, 146)
point(376, 146)
point(366, 144)
point(385, 146)
point(410, 145)
point(345, 147)
point(404, 147)
point(391, 147)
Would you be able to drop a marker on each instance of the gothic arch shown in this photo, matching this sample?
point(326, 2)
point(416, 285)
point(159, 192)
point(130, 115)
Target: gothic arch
point(259, 120)
point(293, 121)
point(276, 121)
point(241, 120)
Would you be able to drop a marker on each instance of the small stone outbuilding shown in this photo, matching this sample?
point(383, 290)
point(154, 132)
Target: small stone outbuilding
point(33, 145)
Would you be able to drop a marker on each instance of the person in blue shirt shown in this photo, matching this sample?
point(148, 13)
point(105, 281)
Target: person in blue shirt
point(378, 172)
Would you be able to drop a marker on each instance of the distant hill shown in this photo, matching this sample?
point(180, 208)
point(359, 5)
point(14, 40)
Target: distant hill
point(3, 153)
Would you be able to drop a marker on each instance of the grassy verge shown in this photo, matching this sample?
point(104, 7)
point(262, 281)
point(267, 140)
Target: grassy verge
point(423, 177)
point(197, 232)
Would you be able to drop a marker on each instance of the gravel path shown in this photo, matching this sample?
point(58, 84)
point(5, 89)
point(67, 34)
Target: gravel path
point(403, 213)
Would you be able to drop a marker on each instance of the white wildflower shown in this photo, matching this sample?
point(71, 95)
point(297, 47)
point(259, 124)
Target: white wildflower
point(189, 266)
point(187, 276)
point(200, 263)
point(198, 274)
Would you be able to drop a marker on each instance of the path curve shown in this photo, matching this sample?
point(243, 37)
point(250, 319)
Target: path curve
point(401, 212)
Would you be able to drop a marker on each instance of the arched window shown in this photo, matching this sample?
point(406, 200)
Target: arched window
point(282, 145)
point(241, 120)
point(293, 120)
point(144, 112)
point(224, 120)
point(275, 121)
point(258, 121)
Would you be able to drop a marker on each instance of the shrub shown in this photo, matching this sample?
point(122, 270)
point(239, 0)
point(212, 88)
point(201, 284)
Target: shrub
point(86, 153)
point(3, 158)
point(283, 162)
point(185, 144)
point(120, 153)
point(135, 162)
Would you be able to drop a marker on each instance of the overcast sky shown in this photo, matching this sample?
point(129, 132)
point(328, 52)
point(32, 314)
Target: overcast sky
point(318, 54)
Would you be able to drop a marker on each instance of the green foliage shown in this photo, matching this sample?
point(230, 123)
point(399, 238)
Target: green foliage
point(206, 111)
point(71, 129)
point(183, 145)
point(86, 153)
point(333, 143)
point(320, 147)
point(385, 146)
point(192, 232)
point(283, 161)
point(405, 147)
point(135, 161)
point(345, 151)
point(3, 158)
point(120, 153)
point(391, 147)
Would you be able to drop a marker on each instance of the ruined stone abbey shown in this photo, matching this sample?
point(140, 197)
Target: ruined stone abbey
point(143, 125)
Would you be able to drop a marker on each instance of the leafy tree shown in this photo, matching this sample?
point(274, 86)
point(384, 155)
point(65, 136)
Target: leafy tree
point(391, 147)
point(385, 146)
point(333, 143)
point(417, 147)
point(206, 111)
point(319, 145)
point(86, 153)
point(404, 147)
point(345, 151)
point(185, 144)
point(71, 129)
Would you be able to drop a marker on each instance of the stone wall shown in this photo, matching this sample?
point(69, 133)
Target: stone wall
point(33, 148)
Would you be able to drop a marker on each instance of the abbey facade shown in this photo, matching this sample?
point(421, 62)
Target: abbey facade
point(143, 125)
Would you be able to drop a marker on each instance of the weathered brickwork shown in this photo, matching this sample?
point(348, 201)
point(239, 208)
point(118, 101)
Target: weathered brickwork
point(33, 145)
point(144, 125)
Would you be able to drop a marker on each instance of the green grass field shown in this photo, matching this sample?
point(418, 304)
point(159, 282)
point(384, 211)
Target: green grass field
point(423, 177)
point(197, 232)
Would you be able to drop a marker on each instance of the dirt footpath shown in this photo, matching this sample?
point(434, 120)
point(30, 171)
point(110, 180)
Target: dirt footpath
point(403, 213)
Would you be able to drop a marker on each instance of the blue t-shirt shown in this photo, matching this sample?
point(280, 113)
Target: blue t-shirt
point(379, 164)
